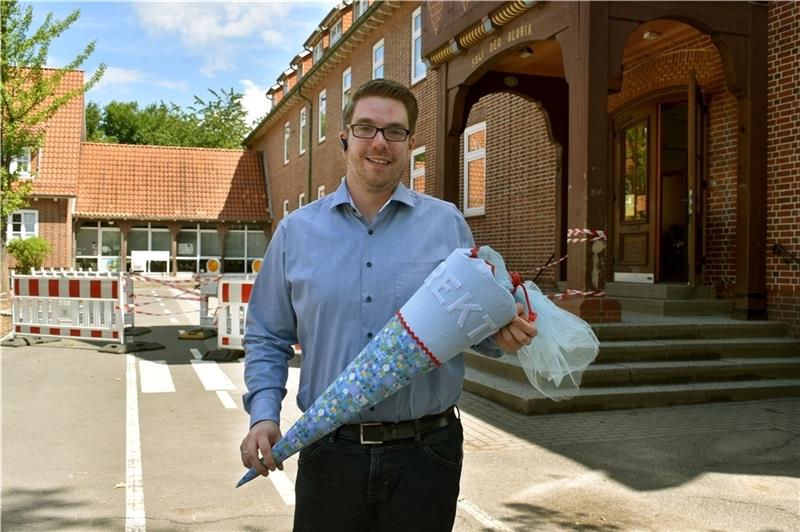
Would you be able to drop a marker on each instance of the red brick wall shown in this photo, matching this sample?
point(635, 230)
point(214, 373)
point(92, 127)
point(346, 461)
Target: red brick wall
point(783, 161)
point(521, 170)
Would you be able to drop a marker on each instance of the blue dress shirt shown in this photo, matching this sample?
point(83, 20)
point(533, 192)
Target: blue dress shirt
point(330, 281)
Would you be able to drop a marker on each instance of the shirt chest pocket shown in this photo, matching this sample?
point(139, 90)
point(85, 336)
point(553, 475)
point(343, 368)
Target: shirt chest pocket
point(408, 277)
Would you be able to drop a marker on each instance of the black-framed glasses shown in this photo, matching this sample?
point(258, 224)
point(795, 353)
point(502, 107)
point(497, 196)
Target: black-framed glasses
point(391, 133)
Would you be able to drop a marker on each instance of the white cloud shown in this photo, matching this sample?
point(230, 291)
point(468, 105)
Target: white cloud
point(218, 32)
point(254, 100)
point(123, 77)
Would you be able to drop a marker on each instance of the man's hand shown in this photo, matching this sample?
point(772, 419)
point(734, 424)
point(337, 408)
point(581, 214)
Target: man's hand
point(256, 447)
point(516, 334)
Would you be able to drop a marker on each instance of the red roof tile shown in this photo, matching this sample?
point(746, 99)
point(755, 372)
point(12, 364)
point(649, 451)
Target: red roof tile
point(58, 168)
point(170, 183)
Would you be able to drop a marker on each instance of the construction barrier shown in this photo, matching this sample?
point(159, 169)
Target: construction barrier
point(72, 304)
point(234, 295)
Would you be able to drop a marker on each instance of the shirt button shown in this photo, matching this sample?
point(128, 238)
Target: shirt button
point(369, 299)
point(370, 231)
point(369, 265)
point(369, 335)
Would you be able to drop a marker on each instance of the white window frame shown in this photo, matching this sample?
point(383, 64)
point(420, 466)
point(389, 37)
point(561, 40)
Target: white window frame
point(320, 191)
point(347, 86)
point(303, 130)
point(26, 160)
point(301, 199)
point(336, 31)
point(287, 132)
point(415, 173)
point(285, 207)
point(470, 156)
point(359, 8)
point(319, 51)
point(377, 65)
point(12, 235)
point(322, 119)
point(415, 35)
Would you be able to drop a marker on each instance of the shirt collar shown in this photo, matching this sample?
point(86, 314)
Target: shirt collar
point(401, 194)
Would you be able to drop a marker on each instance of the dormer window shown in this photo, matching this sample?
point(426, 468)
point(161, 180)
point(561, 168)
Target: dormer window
point(318, 51)
point(21, 164)
point(359, 8)
point(336, 31)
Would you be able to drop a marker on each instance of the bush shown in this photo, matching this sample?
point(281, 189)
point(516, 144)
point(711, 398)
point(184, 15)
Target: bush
point(28, 252)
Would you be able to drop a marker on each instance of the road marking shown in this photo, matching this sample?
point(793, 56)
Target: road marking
point(283, 485)
point(158, 298)
point(155, 376)
point(227, 400)
point(212, 377)
point(173, 320)
point(196, 353)
point(482, 517)
point(134, 489)
point(167, 311)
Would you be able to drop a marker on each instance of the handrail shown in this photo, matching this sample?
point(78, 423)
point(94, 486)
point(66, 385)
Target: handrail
point(787, 255)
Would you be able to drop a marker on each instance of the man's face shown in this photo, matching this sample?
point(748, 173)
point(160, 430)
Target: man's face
point(376, 165)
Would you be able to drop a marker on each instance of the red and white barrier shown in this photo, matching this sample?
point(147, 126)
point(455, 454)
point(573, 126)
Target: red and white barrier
point(69, 304)
point(234, 296)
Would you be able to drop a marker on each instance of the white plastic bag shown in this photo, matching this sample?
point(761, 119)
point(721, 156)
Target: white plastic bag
point(565, 345)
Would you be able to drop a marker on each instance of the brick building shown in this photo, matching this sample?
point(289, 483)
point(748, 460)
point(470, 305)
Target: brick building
point(99, 204)
point(670, 128)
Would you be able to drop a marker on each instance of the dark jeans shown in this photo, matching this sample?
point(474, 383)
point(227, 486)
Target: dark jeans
point(407, 485)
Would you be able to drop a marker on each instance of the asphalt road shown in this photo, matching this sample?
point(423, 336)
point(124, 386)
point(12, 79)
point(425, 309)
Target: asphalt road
point(149, 441)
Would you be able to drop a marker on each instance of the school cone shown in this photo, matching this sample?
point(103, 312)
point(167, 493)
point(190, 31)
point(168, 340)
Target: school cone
point(460, 304)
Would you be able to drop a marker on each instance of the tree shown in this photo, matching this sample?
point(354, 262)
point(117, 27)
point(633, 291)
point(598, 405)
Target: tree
point(93, 116)
point(223, 119)
point(29, 94)
point(29, 252)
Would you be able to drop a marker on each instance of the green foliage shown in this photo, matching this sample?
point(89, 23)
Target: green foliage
point(28, 92)
point(29, 252)
point(219, 122)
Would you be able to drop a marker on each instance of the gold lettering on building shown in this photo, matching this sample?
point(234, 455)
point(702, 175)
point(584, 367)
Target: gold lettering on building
point(477, 59)
point(520, 32)
point(495, 44)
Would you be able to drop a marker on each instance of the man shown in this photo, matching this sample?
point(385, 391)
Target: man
point(334, 273)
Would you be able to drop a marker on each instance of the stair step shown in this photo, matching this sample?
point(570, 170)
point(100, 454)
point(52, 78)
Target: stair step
point(677, 307)
point(658, 291)
point(672, 331)
point(655, 350)
point(523, 398)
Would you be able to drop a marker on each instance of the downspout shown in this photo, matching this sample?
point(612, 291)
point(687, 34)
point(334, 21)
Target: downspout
point(310, 123)
point(265, 170)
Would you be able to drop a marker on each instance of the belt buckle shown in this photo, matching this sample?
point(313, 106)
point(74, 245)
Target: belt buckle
point(369, 442)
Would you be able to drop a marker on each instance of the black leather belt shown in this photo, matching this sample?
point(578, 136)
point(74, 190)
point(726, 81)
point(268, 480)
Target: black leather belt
point(377, 433)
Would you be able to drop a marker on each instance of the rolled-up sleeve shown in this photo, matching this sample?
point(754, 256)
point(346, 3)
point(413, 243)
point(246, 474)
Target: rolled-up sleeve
point(270, 332)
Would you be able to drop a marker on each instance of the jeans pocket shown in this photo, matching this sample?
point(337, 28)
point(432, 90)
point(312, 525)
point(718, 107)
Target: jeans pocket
point(307, 454)
point(448, 451)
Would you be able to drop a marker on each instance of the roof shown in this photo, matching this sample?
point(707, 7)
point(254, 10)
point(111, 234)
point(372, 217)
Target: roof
point(62, 143)
point(170, 183)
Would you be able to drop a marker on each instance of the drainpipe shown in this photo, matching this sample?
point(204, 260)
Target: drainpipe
point(309, 122)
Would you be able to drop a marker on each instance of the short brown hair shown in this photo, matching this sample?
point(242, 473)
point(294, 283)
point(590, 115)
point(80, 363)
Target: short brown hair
point(387, 89)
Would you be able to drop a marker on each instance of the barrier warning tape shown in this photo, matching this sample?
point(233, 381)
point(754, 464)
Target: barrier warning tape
point(167, 283)
point(571, 292)
point(585, 235)
point(551, 264)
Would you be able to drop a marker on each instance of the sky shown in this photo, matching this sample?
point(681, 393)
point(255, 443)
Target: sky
point(171, 51)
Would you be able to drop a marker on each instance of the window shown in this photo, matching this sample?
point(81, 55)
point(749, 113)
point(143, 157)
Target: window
point(417, 180)
point(320, 191)
point(418, 68)
point(323, 112)
point(359, 8)
point(98, 247)
point(301, 200)
point(475, 169)
point(22, 224)
point(287, 130)
point(377, 60)
point(336, 31)
point(21, 164)
point(347, 87)
point(243, 245)
point(634, 172)
point(285, 207)
point(318, 51)
point(303, 130)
